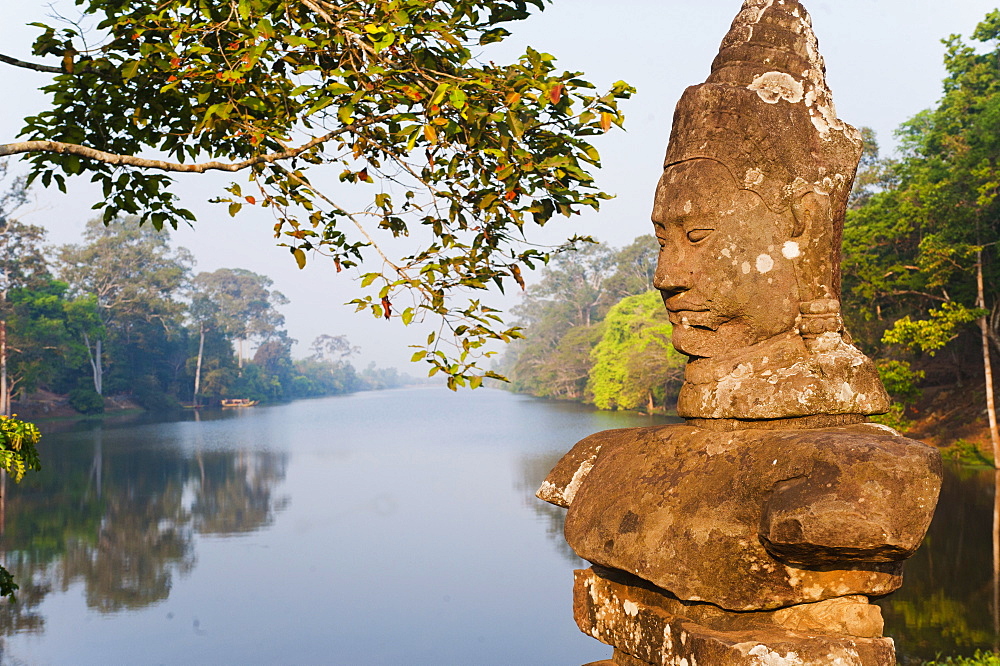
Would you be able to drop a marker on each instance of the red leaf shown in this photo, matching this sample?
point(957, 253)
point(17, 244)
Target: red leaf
point(250, 200)
point(510, 196)
point(556, 93)
point(387, 307)
point(336, 262)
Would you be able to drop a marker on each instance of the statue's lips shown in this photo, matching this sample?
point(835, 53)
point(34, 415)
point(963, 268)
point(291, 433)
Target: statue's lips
point(698, 318)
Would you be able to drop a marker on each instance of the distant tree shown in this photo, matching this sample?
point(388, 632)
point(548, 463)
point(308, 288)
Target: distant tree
point(204, 313)
point(332, 347)
point(242, 303)
point(134, 276)
point(634, 268)
point(562, 315)
point(920, 252)
point(875, 173)
point(634, 362)
point(22, 267)
point(274, 358)
point(39, 343)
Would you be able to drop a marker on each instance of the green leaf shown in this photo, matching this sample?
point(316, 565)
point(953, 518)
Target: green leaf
point(130, 69)
point(439, 93)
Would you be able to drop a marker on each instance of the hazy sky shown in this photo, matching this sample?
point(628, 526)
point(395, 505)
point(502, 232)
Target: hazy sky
point(883, 63)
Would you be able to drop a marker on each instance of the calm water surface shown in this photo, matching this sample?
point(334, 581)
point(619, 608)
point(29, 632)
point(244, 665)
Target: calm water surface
point(388, 528)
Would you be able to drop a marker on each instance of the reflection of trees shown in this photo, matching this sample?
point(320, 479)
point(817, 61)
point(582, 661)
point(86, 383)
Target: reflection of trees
point(120, 518)
point(945, 603)
point(24, 615)
point(142, 542)
point(534, 469)
point(234, 492)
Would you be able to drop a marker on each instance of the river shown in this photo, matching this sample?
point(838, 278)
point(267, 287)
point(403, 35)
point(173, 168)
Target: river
point(383, 528)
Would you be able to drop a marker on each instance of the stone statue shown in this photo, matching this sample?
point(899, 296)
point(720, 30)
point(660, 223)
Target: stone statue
point(759, 529)
point(750, 213)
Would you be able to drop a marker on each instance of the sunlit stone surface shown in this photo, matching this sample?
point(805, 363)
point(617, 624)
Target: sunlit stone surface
point(755, 533)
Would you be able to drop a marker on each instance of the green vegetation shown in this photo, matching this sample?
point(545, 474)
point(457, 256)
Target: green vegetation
point(978, 659)
point(634, 363)
point(597, 332)
point(967, 453)
point(121, 315)
point(18, 456)
point(469, 154)
point(920, 243)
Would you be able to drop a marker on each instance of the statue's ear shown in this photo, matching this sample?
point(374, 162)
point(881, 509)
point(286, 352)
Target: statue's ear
point(809, 209)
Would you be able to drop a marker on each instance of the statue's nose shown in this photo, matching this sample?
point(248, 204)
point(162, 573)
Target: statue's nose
point(673, 274)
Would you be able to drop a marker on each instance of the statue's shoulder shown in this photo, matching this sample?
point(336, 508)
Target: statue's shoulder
point(565, 479)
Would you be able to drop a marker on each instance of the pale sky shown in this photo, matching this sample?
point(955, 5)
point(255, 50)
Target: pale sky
point(884, 64)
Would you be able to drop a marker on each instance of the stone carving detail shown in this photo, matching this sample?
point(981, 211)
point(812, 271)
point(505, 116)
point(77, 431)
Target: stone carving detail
point(755, 533)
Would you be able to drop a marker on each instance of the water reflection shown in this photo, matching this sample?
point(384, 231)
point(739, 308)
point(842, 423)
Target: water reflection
point(946, 603)
point(534, 469)
point(119, 517)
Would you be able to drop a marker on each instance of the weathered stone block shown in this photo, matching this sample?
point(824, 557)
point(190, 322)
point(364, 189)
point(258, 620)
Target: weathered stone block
point(645, 628)
point(752, 519)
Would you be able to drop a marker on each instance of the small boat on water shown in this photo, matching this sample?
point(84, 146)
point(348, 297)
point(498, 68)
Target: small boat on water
point(237, 402)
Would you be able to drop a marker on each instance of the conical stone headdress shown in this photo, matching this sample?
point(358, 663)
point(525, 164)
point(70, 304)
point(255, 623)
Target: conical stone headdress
point(766, 113)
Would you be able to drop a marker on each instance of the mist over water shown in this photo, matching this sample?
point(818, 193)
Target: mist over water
point(384, 528)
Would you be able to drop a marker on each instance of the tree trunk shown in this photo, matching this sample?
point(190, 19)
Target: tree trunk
point(197, 372)
point(239, 354)
point(987, 365)
point(996, 558)
point(649, 402)
point(95, 363)
point(4, 388)
point(99, 368)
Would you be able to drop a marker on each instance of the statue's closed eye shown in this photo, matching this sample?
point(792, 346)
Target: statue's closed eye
point(696, 235)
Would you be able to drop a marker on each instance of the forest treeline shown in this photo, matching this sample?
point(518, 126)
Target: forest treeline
point(596, 331)
point(920, 269)
point(123, 314)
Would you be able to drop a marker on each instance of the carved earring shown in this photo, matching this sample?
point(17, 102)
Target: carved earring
point(819, 311)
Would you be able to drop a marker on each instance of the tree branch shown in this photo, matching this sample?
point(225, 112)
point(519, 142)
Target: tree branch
point(58, 147)
point(319, 10)
point(29, 65)
point(893, 293)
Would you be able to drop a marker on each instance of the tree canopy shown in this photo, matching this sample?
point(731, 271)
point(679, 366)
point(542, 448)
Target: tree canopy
point(911, 247)
point(920, 243)
point(438, 158)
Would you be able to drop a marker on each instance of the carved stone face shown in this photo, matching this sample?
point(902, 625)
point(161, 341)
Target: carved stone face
point(725, 267)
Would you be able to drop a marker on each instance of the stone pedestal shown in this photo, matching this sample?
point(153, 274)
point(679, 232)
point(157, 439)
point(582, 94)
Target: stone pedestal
point(649, 626)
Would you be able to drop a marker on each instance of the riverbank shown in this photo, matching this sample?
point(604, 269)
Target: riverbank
point(948, 414)
point(46, 406)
